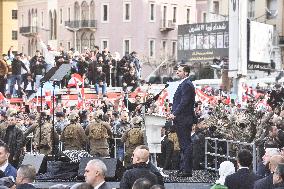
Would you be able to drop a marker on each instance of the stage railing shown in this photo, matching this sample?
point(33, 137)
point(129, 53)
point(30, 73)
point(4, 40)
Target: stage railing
point(221, 148)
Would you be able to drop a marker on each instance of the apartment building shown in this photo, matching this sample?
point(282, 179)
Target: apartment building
point(146, 26)
point(8, 25)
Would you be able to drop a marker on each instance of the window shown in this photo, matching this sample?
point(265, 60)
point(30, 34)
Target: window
point(69, 14)
point(174, 14)
point(216, 7)
point(187, 16)
point(251, 8)
point(174, 46)
point(152, 12)
point(14, 14)
point(152, 48)
point(204, 17)
point(14, 35)
point(41, 19)
point(61, 16)
point(22, 21)
point(164, 46)
point(105, 13)
point(127, 12)
point(69, 45)
point(104, 44)
point(126, 46)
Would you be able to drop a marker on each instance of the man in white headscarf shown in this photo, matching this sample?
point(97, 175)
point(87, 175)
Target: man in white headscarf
point(226, 168)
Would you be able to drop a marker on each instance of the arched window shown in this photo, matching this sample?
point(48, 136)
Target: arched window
point(84, 11)
point(29, 18)
point(84, 41)
point(92, 10)
point(29, 48)
point(32, 17)
point(50, 26)
point(78, 43)
point(55, 25)
point(92, 41)
point(76, 11)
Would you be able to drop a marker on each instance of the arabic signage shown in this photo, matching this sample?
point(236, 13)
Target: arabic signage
point(203, 42)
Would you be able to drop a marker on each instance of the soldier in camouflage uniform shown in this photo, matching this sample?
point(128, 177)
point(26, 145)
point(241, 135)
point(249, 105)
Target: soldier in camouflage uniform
point(132, 138)
point(172, 136)
point(98, 133)
point(3, 125)
point(44, 146)
point(73, 135)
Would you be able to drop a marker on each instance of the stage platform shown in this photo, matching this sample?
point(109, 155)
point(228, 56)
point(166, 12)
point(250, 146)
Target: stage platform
point(46, 185)
point(201, 179)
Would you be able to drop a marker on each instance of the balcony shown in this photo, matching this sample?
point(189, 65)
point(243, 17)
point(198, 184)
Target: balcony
point(167, 25)
point(281, 41)
point(29, 31)
point(81, 24)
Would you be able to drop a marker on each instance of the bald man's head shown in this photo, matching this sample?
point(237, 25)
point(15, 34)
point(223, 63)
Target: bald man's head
point(140, 156)
point(274, 161)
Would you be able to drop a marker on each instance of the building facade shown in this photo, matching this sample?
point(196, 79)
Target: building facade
point(8, 25)
point(148, 27)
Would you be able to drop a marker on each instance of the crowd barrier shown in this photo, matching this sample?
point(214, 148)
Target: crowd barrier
point(219, 150)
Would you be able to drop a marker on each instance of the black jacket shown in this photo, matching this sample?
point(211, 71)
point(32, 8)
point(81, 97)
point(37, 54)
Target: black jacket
point(279, 186)
point(242, 179)
point(16, 67)
point(140, 170)
point(264, 183)
point(14, 138)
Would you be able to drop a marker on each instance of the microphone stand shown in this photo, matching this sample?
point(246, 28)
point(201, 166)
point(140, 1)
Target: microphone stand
point(144, 107)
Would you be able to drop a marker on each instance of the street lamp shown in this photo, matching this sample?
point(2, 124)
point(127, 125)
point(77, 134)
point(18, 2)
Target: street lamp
point(75, 35)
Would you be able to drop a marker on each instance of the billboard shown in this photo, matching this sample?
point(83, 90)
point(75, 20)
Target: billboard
point(203, 42)
point(260, 45)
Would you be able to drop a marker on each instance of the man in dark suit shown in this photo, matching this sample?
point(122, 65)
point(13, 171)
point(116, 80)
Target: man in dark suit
point(243, 178)
point(140, 170)
point(5, 166)
point(267, 182)
point(26, 175)
point(183, 117)
point(95, 173)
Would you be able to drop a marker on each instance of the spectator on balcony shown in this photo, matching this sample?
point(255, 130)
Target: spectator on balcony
point(16, 76)
point(122, 69)
point(3, 73)
point(25, 60)
point(49, 54)
point(130, 80)
point(38, 70)
point(136, 62)
point(100, 81)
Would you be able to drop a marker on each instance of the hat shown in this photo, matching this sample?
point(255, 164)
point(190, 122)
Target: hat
point(137, 120)
point(73, 116)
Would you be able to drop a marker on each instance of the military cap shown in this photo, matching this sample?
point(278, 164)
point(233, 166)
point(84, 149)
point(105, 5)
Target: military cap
point(137, 120)
point(73, 116)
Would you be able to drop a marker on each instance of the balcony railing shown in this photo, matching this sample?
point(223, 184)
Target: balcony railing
point(80, 24)
point(29, 30)
point(167, 25)
point(281, 40)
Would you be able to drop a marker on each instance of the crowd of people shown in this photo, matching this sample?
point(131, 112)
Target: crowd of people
point(99, 68)
point(105, 131)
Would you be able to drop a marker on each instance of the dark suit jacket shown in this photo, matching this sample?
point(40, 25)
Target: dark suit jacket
point(264, 183)
point(10, 171)
point(183, 103)
point(242, 179)
point(25, 186)
point(105, 185)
